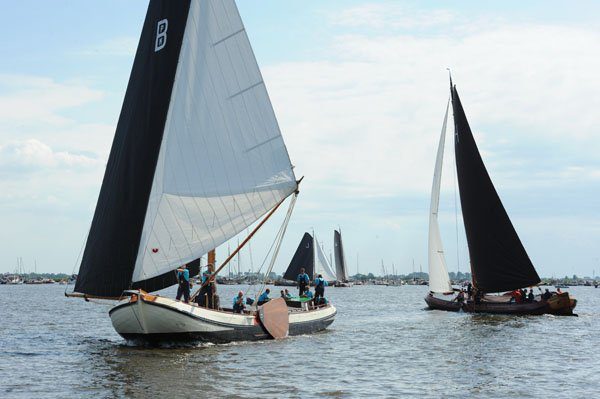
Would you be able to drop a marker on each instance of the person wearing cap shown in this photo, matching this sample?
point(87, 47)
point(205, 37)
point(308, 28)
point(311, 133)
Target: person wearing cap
point(238, 303)
point(183, 278)
point(303, 281)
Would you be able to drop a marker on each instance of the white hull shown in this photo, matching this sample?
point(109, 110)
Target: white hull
point(156, 318)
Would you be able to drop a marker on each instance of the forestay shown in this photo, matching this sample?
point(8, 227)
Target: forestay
point(438, 272)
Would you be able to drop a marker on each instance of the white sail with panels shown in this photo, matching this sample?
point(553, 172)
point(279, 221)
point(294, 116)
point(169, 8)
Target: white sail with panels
point(322, 265)
point(222, 163)
point(438, 272)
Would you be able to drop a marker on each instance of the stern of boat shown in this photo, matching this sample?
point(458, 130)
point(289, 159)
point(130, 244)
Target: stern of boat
point(562, 304)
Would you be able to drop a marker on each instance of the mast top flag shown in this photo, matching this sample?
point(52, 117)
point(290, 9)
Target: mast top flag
point(197, 155)
point(499, 261)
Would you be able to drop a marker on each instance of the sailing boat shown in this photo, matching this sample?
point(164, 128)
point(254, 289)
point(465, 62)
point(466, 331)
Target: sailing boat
point(197, 158)
point(340, 261)
point(310, 256)
point(499, 262)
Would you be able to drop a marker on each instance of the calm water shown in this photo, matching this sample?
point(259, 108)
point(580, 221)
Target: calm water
point(382, 344)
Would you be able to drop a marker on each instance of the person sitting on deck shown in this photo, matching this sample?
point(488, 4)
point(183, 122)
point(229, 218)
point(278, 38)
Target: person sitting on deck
point(183, 278)
point(238, 303)
point(530, 296)
point(303, 281)
point(282, 294)
point(460, 298)
point(287, 294)
point(522, 297)
point(320, 285)
point(264, 297)
point(307, 294)
point(546, 295)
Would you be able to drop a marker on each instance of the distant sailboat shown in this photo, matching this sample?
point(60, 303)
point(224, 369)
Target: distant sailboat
point(499, 261)
point(310, 256)
point(340, 260)
point(197, 158)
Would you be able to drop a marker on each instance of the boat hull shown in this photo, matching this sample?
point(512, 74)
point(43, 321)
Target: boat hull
point(156, 319)
point(441, 304)
point(533, 308)
point(560, 304)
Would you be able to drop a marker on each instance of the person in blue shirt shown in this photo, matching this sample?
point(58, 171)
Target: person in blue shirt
point(264, 297)
point(320, 284)
point(287, 294)
point(238, 303)
point(183, 278)
point(307, 294)
point(303, 281)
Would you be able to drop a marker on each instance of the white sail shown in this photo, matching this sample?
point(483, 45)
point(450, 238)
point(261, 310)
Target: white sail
point(438, 272)
point(322, 265)
point(222, 163)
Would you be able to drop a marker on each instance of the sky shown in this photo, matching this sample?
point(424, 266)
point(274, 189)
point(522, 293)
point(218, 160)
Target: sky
point(359, 88)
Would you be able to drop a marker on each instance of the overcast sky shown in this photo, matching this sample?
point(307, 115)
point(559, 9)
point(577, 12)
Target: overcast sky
point(360, 89)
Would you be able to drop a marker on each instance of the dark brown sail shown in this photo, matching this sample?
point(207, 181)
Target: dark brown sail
point(498, 260)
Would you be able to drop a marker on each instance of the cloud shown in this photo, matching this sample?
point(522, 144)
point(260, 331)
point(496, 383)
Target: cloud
point(391, 15)
point(33, 155)
point(34, 100)
point(365, 121)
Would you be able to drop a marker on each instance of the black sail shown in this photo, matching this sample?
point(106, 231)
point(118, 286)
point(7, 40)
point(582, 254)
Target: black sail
point(112, 245)
point(498, 260)
point(303, 258)
point(340, 259)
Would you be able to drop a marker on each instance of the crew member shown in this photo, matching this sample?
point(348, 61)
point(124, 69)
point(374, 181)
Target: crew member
point(530, 296)
point(264, 297)
point(238, 303)
point(287, 294)
point(320, 285)
point(307, 294)
point(546, 295)
point(183, 278)
point(303, 281)
point(206, 296)
point(469, 290)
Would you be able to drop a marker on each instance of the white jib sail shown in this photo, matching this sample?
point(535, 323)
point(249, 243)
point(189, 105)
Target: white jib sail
point(438, 272)
point(322, 265)
point(222, 163)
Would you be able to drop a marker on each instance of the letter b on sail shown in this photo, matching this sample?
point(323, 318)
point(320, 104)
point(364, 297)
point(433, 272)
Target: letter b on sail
point(161, 35)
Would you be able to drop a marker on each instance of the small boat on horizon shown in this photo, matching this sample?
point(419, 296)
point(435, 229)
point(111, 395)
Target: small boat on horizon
point(499, 263)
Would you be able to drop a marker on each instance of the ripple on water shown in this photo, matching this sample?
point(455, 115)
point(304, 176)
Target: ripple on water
point(383, 343)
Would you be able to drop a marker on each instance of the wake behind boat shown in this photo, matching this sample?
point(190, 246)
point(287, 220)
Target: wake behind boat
point(197, 158)
point(499, 262)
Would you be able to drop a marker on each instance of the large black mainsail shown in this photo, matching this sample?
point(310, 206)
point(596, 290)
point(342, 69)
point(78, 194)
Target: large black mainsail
point(197, 156)
point(498, 260)
point(112, 245)
point(340, 259)
point(303, 258)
